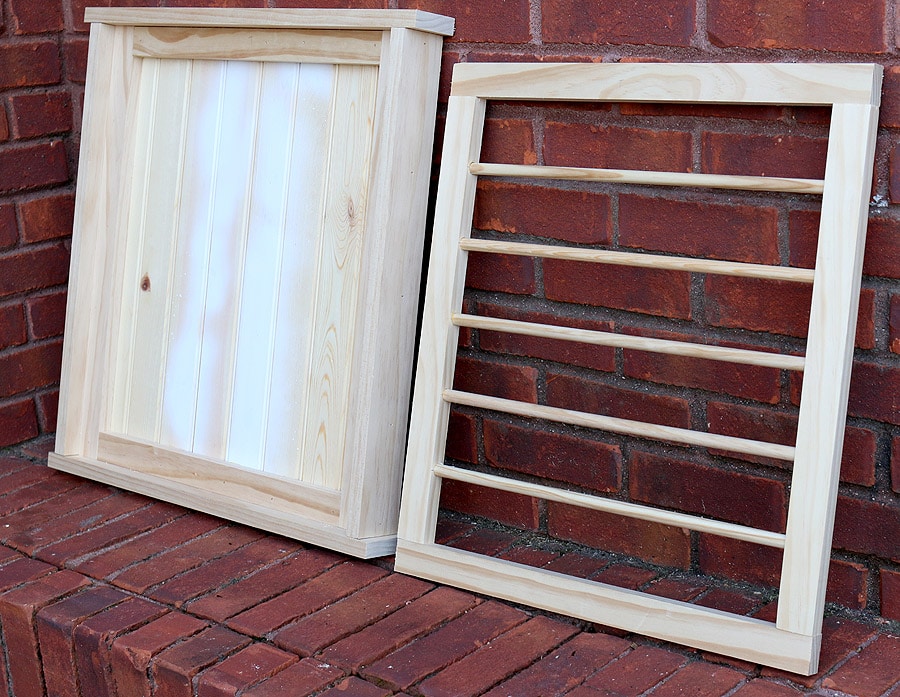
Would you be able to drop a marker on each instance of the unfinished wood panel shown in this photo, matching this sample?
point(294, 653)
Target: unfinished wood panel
point(259, 45)
point(792, 642)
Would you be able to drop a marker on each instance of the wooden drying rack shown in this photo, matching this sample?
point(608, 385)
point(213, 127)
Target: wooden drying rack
point(853, 93)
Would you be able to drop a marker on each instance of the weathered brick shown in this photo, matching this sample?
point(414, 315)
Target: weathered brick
point(18, 608)
point(738, 560)
point(637, 671)
point(219, 572)
point(21, 478)
point(590, 464)
point(764, 156)
point(131, 653)
point(42, 508)
point(484, 541)
point(354, 687)
point(244, 669)
point(4, 124)
point(616, 147)
point(62, 526)
point(35, 18)
point(890, 594)
point(625, 576)
point(47, 315)
point(650, 291)
point(450, 643)
point(858, 460)
point(889, 113)
point(401, 627)
point(869, 527)
point(530, 556)
point(894, 175)
point(109, 533)
point(696, 488)
point(856, 26)
point(32, 269)
point(41, 114)
point(564, 668)
point(895, 323)
point(581, 217)
point(462, 437)
point(577, 564)
point(75, 50)
point(895, 464)
point(736, 232)
point(262, 585)
point(38, 490)
point(324, 589)
point(505, 22)
point(298, 680)
point(847, 584)
point(766, 688)
point(869, 673)
point(22, 570)
point(92, 639)
point(174, 669)
point(570, 352)
point(18, 422)
point(31, 166)
point(701, 679)
point(505, 273)
point(659, 544)
point(55, 626)
point(595, 397)
point(350, 615)
point(875, 392)
point(496, 379)
point(29, 367)
point(510, 509)
point(9, 227)
point(25, 64)
point(47, 217)
point(169, 565)
point(568, 21)
point(746, 381)
point(748, 303)
point(510, 141)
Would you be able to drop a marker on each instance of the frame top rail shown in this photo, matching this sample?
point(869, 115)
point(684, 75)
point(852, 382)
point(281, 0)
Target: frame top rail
point(265, 18)
point(717, 83)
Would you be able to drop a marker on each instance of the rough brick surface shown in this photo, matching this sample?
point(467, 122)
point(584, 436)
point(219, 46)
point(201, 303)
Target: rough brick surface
point(496, 379)
point(510, 509)
point(298, 680)
point(174, 669)
point(870, 673)
point(568, 21)
point(31, 166)
point(585, 145)
point(242, 670)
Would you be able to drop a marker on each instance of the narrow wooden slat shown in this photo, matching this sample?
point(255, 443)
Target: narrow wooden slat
point(632, 176)
point(623, 508)
point(704, 628)
point(281, 45)
point(219, 477)
point(650, 261)
point(308, 146)
point(261, 18)
point(338, 261)
point(717, 83)
point(598, 338)
point(826, 382)
point(627, 427)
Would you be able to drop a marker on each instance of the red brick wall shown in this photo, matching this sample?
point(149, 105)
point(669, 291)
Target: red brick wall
point(42, 56)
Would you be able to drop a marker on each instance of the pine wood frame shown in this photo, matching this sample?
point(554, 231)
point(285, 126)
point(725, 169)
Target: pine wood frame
point(382, 87)
point(853, 93)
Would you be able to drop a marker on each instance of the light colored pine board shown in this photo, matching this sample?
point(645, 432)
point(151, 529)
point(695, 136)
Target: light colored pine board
point(248, 513)
point(648, 261)
point(337, 275)
point(381, 373)
point(703, 628)
point(638, 429)
point(149, 283)
point(716, 83)
point(90, 301)
point(623, 508)
point(633, 176)
point(230, 205)
point(220, 478)
point(438, 337)
point(826, 381)
point(280, 45)
point(640, 343)
point(288, 18)
point(296, 277)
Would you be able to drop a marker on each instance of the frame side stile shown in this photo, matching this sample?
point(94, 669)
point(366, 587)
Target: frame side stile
point(823, 407)
point(87, 309)
point(443, 295)
point(406, 104)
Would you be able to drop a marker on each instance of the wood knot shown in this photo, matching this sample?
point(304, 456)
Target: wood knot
point(145, 283)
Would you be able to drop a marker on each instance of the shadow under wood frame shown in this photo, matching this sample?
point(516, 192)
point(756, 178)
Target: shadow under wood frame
point(853, 93)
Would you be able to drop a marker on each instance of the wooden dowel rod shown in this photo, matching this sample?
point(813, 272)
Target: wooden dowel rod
point(623, 508)
point(599, 338)
point(627, 427)
point(630, 176)
point(652, 261)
